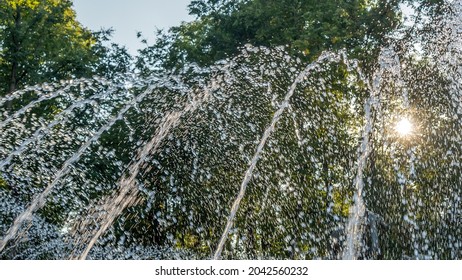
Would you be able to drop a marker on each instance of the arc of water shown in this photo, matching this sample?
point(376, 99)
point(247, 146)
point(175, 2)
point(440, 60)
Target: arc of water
point(452, 61)
point(20, 93)
point(33, 103)
point(12, 96)
point(41, 132)
point(358, 210)
point(253, 163)
point(39, 200)
point(387, 60)
point(128, 190)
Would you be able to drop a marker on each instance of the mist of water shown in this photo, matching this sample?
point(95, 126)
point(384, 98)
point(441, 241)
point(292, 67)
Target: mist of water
point(150, 167)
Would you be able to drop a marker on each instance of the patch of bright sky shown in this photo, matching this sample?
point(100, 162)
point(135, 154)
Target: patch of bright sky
point(127, 17)
point(408, 13)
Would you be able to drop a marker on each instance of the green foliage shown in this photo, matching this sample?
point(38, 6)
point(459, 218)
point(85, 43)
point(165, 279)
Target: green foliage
point(307, 27)
point(3, 183)
point(41, 41)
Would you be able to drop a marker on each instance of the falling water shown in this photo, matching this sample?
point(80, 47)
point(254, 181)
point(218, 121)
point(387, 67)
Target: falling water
point(40, 200)
point(249, 172)
point(389, 62)
point(51, 95)
point(60, 118)
point(128, 191)
point(357, 212)
point(139, 168)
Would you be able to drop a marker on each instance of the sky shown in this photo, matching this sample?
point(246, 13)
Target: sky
point(127, 17)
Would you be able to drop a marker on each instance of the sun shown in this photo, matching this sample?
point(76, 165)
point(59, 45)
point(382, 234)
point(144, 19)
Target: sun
point(404, 127)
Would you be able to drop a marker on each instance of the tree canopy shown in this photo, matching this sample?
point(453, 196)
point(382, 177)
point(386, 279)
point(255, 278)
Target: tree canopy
point(306, 27)
point(42, 41)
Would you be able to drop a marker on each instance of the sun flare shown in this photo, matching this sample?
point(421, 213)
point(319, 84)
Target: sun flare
point(404, 127)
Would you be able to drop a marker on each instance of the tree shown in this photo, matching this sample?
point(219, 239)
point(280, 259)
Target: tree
point(307, 27)
point(42, 41)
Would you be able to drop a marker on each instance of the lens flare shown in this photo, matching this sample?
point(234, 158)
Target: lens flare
point(404, 127)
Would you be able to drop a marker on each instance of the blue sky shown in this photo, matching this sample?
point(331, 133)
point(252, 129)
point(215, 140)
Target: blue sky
point(129, 16)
